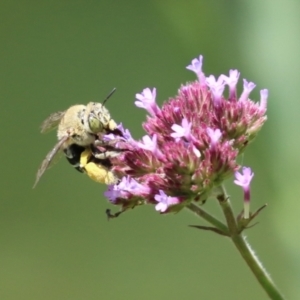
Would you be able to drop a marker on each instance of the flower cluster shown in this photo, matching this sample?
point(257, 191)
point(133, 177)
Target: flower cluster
point(192, 142)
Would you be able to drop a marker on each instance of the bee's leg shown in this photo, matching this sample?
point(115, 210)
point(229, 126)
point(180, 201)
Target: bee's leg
point(111, 215)
point(99, 143)
point(100, 173)
point(101, 152)
point(106, 154)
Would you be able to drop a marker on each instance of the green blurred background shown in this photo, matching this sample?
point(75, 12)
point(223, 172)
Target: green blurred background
point(55, 241)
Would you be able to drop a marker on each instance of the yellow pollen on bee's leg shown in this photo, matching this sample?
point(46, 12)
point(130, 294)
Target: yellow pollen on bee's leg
point(99, 173)
point(84, 157)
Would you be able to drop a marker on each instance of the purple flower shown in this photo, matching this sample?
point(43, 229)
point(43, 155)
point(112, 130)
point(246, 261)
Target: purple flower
point(248, 87)
point(214, 134)
point(164, 201)
point(109, 137)
point(263, 99)
point(126, 187)
point(181, 131)
point(196, 151)
point(216, 87)
point(196, 67)
point(231, 81)
point(147, 100)
point(126, 135)
point(113, 192)
point(150, 144)
point(184, 131)
point(244, 179)
point(117, 138)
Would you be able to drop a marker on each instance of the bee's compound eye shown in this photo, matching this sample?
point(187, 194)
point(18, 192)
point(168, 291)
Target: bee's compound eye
point(95, 124)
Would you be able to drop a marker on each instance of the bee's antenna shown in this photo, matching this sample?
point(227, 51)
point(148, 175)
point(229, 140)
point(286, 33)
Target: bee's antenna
point(108, 96)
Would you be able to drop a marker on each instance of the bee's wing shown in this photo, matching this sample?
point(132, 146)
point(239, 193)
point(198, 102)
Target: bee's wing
point(52, 121)
point(48, 159)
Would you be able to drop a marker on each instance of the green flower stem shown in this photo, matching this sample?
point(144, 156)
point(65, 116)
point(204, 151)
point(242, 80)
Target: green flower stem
point(209, 218)
point(247, 253)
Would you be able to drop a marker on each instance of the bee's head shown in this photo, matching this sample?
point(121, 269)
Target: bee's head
point(97, 118)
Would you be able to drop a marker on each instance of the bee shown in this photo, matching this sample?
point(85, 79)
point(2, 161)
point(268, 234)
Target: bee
point(78, 128)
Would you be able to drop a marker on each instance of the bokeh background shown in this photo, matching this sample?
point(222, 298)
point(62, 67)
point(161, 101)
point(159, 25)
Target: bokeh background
point(55, 241)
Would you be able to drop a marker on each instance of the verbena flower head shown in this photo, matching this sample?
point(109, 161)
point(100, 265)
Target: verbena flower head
point(192, 142)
